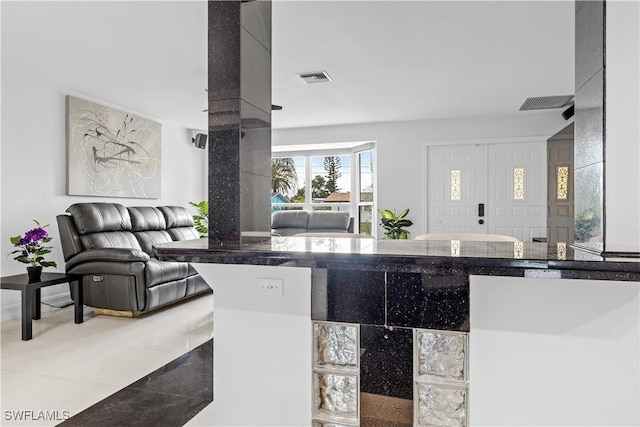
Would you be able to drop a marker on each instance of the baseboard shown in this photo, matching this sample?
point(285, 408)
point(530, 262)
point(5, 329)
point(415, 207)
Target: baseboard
point(14, 311)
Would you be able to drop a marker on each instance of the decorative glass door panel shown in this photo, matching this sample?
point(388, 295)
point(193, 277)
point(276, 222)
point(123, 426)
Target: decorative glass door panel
point(457, 186)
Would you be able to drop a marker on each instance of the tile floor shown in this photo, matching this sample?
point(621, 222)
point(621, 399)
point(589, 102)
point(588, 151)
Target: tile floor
point(66, 368)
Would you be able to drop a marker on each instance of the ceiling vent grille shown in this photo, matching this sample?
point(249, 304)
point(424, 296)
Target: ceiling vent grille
point(315, 77)
point(547, 102)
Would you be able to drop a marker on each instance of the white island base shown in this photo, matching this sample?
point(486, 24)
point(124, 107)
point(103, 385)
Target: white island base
point(543, 352)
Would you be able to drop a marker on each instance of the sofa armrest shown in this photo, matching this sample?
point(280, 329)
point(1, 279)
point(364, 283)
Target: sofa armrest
point(117, 255)
point(104, 268)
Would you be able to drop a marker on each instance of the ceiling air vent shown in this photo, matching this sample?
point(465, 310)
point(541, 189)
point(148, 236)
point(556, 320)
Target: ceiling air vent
point(315, 77)
point(547, 102)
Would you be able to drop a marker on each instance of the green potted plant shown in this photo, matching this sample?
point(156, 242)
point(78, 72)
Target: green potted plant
point(31, 250)
point(201, 219)
point(394, 224)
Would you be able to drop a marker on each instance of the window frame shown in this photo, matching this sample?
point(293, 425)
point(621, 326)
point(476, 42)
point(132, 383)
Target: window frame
point(355, 203)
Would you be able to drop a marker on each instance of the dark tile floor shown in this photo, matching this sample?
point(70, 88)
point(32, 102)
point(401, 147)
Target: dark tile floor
point(169, 396)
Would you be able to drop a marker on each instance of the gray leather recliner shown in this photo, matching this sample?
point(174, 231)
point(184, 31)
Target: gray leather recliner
point(111, 246)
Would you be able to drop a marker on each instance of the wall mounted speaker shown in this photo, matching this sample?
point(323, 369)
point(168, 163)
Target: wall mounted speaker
point(568, 113)
point(200, 140)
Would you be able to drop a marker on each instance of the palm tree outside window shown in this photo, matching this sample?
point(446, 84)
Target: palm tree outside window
point(338, 180)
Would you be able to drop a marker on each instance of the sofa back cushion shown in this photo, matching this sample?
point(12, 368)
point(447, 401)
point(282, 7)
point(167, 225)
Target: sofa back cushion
point(179, 223)
point(146, 218)
point(100, 217)
point(149, 227)
point(103, 225)
point(148, 239)
point(335, 222)
point(288, 223)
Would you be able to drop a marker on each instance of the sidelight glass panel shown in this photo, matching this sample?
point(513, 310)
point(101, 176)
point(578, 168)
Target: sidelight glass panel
point(365, 219)
point(518, 183)
point(366, 176)
point(456, 192)
point(562, 176)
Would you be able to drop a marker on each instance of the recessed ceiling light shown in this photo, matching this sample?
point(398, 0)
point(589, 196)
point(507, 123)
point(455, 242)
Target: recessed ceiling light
point(315, 77)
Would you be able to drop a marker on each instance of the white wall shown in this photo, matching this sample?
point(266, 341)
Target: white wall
point(400, 149)
point(622, 143)
point(549, 352)
point(263, 346)
point(35, 82)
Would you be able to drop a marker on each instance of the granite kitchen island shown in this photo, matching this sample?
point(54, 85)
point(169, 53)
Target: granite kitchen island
point(342, 331)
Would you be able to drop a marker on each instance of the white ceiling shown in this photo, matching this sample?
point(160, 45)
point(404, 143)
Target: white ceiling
point(389, 60)
point(397, 60)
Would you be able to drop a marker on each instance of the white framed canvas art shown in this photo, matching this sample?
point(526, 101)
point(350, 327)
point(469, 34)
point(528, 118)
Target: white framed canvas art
point(111, 153)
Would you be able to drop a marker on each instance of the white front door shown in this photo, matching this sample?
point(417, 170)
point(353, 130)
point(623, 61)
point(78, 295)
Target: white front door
point(517, 196)
point(488, 188)
point(456, 186)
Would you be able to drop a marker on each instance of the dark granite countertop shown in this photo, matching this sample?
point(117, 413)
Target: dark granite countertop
point(484, 258)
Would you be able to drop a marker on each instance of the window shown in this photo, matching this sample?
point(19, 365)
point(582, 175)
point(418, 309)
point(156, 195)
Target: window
point(366, 193)
point(339, 180)
point(286, 185)
point(330, 181)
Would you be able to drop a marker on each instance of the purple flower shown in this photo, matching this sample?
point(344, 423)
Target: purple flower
point(31, 249)
point(34, 236)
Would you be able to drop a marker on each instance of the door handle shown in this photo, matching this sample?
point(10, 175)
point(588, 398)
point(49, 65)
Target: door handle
point(481, 221)
point(481, 209)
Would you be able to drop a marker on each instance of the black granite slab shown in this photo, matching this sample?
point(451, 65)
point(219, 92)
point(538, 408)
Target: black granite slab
point(350, 296)
point(169, 396)
point(386, 362)
point(189, 375)
point(409, 256)
point(429, 301)
point(239, 106)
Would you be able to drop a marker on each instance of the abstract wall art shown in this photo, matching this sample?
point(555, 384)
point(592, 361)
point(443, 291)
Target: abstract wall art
point(111, 153)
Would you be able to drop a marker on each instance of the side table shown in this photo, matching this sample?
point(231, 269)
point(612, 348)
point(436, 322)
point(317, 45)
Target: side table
point(31, 296)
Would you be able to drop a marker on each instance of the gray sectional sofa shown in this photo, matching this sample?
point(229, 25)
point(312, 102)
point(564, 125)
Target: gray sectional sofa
point(292, 222)
point(111, 246)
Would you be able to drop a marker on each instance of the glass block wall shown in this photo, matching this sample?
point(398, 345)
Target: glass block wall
point(440, 378)
point(336, 374)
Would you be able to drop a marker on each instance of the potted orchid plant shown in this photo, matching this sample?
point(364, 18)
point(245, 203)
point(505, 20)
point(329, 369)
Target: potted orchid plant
point(31, 250)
